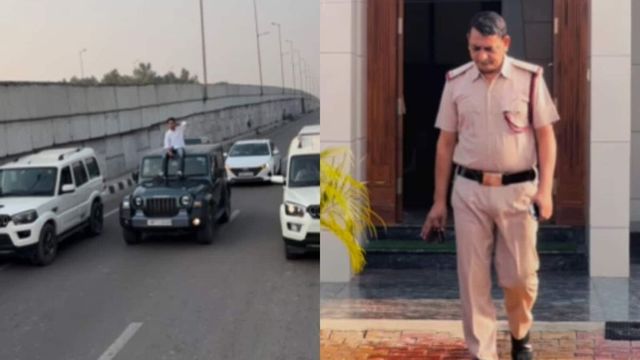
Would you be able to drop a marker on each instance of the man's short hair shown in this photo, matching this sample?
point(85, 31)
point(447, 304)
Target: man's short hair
point(489, 23)
point(171, 119)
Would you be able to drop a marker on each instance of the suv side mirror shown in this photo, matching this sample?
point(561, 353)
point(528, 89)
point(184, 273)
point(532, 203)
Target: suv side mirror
point(68, 188)
point(278, 179)
point(224, 154)
point(135, 175)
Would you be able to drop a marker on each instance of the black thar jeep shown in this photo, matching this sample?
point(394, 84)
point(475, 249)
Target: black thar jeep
point(168, 203)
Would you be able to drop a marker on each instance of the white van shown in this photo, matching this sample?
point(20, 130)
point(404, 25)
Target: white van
point(300, 210)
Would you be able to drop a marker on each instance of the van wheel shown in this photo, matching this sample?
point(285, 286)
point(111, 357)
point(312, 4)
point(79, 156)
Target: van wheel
point(131, 237)
point(205, 235)
point(96, 219)
point(46, 249)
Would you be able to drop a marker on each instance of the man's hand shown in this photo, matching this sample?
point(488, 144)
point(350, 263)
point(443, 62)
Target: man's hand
point(545, 203)
point(170, 153)
point(436, 220)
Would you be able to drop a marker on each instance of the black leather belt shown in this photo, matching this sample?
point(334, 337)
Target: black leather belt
point(495, 179)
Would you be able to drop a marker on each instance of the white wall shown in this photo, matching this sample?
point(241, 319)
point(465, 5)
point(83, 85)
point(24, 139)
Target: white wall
point(343, 28)
point(635, 116)
point(610, 138)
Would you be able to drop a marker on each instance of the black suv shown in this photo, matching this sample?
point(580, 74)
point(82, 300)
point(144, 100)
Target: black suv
point(193, 203)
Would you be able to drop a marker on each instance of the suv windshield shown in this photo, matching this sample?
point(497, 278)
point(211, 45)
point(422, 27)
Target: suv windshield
point(194, 165)
point(304, 171)
point(28, 182)
point(192, 141)
point(257, 149)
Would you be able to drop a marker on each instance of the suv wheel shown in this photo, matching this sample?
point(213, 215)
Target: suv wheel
point(46, 249)
point(131, 237)
point(227, 209)
point(205, 235)
point(96, 219)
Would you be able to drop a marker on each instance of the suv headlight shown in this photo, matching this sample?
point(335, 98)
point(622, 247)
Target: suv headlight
point(26, 217)
point(126, 204)
point(293, 209)
point(265, 166)
point(185, 200)
point(137, 201)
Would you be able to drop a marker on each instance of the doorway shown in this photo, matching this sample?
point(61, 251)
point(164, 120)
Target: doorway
point(434, 43)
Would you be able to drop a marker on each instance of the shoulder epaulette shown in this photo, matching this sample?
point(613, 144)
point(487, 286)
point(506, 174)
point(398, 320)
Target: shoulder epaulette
point(452, 74)
point(533, 68)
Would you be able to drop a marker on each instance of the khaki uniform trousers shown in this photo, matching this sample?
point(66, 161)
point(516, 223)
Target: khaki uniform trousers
point(495, 223)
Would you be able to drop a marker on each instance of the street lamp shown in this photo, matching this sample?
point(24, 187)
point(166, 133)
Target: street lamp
point(258, 34)
point(281, 54)
point(81, 63)
point(204, 53)
point(293, 67)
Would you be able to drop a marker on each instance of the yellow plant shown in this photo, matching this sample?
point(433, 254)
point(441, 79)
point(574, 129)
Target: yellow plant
point(344, 202)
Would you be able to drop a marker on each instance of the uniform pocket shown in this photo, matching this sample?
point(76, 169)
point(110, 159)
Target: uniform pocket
point(516, 114)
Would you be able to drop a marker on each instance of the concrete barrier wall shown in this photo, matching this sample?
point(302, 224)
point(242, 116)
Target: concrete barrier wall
point(121, 123)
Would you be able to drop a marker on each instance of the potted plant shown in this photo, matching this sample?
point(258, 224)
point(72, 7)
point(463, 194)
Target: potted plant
point(344, 203)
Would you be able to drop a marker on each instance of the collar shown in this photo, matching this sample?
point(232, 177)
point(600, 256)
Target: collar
point(504, 71)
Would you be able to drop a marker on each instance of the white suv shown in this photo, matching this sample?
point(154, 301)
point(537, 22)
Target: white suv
point(300, 211)
point(47, 196)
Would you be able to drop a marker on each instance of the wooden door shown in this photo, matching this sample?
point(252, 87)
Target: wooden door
point(571, 90)
point(383, 105)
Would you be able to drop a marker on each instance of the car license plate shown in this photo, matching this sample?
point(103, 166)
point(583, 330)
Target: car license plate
point(246, 173)
point(159, 222)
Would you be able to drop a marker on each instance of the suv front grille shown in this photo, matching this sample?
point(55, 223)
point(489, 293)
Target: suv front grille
point(253, 170)
point(161, 207)
point(314, 211)
point(4, 220)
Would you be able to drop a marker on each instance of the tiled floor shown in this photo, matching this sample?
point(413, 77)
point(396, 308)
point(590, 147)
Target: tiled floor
point(433, 294)
point(375, 344)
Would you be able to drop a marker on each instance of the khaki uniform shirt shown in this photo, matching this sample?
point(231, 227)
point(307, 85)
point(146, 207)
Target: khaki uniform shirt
point(492, 120)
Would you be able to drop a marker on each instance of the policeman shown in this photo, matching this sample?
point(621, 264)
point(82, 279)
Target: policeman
point(495, 118)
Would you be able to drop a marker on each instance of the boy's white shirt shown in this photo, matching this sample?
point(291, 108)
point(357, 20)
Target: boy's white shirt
point(175, 139)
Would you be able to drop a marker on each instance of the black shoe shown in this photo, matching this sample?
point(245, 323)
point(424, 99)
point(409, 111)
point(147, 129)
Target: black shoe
point(521, 349)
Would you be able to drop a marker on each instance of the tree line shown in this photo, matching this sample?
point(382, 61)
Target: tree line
point(143, 74)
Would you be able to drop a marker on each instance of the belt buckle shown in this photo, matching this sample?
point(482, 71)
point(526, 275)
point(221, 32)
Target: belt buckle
point(491, 179)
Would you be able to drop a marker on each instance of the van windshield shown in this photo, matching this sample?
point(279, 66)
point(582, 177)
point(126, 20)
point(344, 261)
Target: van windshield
point(304, 170)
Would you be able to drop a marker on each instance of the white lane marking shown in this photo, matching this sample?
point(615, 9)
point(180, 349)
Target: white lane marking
point(121, 341)
point(234, 215)
point(111, 213)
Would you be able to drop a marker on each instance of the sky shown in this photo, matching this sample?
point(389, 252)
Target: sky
point(41, 39)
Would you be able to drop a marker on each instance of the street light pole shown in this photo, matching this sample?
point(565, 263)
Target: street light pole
point(281, 55)
point(293, 67)
point(306, 76)
point(255, 11)
point(81, 63)
point(204, 52)
point(300, 71)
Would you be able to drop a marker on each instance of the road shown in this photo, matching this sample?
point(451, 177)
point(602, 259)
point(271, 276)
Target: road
point(169, 298)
